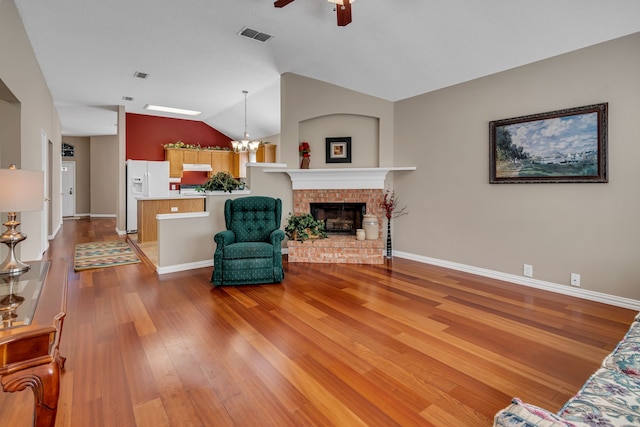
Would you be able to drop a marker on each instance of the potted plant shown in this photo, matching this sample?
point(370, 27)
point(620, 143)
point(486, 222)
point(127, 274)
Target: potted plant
point(221, 181)
point(303, 226)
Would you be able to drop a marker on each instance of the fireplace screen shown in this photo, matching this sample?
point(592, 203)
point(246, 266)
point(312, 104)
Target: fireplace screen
point(339, 217)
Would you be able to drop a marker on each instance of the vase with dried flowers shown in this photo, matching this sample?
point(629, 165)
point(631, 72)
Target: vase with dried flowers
point(390, 206)
point(304, 149)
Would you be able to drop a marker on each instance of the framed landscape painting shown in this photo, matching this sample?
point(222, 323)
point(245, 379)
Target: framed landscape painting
point(559, 146)
point(338, 150)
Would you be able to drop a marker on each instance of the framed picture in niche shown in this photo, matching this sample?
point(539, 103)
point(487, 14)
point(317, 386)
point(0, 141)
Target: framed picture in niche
point(338, 150)
point(564, 146)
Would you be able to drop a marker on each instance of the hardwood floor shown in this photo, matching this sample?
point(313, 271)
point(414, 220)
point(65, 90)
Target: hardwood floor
point(397, 344)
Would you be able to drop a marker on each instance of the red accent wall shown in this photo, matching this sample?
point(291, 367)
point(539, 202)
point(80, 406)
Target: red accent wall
point(146, 135)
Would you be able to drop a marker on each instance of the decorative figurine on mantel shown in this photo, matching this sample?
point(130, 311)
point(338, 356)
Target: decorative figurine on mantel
point(304, 149)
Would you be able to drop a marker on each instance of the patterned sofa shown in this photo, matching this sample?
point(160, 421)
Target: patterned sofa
point(609, 398)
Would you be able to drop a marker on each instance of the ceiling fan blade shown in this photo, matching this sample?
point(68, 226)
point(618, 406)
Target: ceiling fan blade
point(281, 3)
point(344, 13)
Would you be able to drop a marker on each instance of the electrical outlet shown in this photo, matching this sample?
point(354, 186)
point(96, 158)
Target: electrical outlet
point(528, 270)
point(174, 209)
point(575, 279)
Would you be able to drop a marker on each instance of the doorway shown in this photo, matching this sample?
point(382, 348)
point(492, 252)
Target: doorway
point(44, 222)
point(68, 184)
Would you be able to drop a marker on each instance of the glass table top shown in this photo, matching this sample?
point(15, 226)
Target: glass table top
point(19, 295)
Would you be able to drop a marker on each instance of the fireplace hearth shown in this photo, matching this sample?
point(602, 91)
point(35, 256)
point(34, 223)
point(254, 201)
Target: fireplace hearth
point(339, 218)
point(340, 246)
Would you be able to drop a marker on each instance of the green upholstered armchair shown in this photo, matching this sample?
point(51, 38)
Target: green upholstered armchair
point(249, 251)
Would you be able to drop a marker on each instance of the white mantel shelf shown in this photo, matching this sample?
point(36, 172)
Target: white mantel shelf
point(339, 178)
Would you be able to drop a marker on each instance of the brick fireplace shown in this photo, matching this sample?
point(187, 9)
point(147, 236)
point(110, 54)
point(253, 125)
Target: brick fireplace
point(339, 185)
point(338, 248)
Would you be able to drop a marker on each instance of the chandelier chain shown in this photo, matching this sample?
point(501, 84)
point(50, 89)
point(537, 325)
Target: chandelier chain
point(245, 114)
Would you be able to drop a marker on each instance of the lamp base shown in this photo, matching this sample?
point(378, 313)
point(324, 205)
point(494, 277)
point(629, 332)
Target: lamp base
point(11, 237)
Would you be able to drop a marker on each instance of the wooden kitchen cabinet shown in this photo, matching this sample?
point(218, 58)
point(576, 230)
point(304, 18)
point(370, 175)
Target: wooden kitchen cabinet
point(149, 208)
point(175, 159)
point(204, 157)
point(266, 153)
point(220, 160)
point(190, 156)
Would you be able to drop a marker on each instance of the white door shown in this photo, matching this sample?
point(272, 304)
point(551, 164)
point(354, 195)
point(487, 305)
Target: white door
point(68, 172)
point(45, 214)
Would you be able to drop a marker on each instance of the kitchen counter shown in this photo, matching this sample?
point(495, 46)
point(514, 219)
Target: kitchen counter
point(176, 196)
point(150, 207)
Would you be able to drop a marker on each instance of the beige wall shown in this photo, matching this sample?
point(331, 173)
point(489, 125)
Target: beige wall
point(82, 159)
point(9, 131)
point(21, 74)
point(96, 159)
point(121, 218)
point(363, 130)
point(312, 110)
point(456, 215)
point(303, 99)
point(104, 175)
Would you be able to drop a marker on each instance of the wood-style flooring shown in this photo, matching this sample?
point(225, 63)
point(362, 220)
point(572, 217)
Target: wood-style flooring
point(400, 344)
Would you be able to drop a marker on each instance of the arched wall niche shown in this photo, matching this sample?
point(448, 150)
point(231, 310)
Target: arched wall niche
point(10, 135)
point(363, 130)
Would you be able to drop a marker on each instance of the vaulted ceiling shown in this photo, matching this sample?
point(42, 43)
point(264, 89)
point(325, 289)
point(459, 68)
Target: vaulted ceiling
point(89, 50)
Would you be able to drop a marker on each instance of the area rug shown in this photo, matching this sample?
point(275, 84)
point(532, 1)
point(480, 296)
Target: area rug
point(103, 254)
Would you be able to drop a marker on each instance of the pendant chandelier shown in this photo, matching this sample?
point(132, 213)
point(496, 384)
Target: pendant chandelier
point(245, 144)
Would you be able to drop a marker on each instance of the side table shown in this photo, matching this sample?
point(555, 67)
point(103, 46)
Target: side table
point(32, 312)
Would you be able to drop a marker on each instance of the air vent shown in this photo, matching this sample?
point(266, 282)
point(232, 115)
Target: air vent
point(140, 75)
point(127, 98)
point(255, 35)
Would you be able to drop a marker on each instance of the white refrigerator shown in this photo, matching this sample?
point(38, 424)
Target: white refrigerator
point(144, 179)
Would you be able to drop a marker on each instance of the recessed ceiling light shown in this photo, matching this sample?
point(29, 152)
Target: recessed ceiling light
point(172, 110)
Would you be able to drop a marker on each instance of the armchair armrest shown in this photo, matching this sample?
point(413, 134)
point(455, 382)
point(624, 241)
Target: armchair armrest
point(224, 238)
point(276, 237)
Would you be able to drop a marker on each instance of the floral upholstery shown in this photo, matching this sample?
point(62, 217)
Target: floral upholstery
point(249, 251)
point(609, 398)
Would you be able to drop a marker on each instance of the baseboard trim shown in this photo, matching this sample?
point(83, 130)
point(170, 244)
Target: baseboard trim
point(55, 232)
point(182, 267)
point(102, 215)
point(525, 281)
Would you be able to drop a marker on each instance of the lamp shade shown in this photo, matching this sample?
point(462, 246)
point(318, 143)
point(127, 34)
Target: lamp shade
point(21, 190)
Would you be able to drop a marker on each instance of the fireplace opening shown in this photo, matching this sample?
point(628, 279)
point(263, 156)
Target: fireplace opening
point(339, 218)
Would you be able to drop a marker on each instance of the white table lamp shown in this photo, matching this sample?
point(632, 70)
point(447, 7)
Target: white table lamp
point(20, 191)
